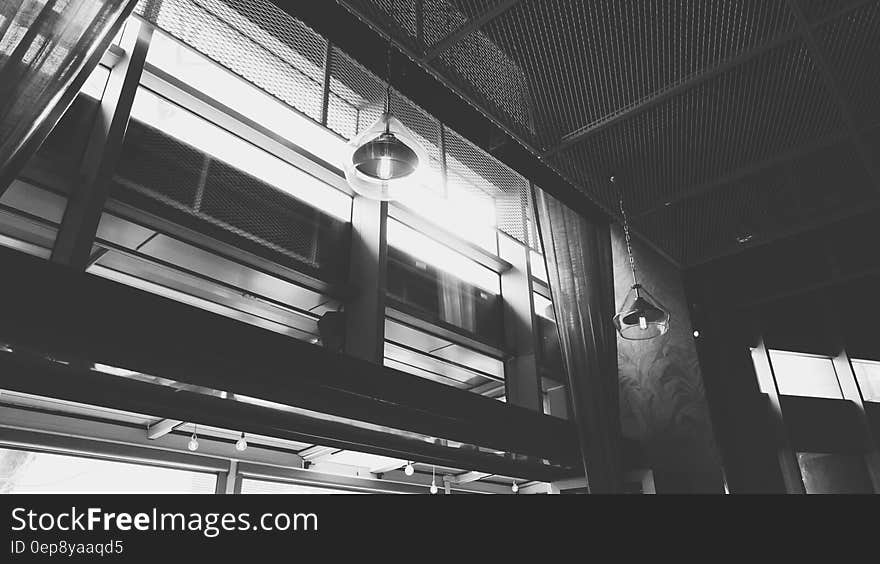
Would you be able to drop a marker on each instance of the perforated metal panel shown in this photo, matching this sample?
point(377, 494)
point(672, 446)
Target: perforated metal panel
point(694, 106)
point(168, 178)
point(252, 38)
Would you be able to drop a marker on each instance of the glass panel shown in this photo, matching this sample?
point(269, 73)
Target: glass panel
point(868, 376)
point(183, 168)
point(251, 486)
point(834, 473)
point(539, 267)
point(805, 375)
point(38, 472)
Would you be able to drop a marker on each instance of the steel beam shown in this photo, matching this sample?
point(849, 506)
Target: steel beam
point(472, 25)
point(162, 428)
point(76, 235)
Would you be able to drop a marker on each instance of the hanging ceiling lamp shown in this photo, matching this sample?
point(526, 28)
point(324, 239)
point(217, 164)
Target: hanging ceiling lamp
point(641, 316)
point(386, 157)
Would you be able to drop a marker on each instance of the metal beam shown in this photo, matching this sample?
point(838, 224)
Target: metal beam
point(76, 235)
point(736, 248)
point(317, 451)
point(162, 428)
point(739, 174)
point(470, 477)
point(657, 98)
point(466, 29)
point(834, 87)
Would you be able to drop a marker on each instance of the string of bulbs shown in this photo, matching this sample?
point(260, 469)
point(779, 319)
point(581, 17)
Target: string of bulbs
point(241, 445)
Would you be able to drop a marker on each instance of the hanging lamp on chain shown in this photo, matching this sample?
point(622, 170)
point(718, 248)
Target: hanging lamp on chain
point(640, 316)
point(386, 157)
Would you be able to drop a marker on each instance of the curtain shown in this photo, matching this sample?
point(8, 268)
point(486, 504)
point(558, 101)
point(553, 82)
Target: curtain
point(47, 50)
point(579, 264)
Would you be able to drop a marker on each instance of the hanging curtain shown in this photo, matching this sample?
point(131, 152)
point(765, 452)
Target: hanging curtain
point(579, 264)
point(47, 50)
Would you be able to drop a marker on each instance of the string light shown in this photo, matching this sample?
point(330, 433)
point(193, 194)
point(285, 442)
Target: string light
point(433, 481)
point(241, 443)
point(514, 488)
point(194, 441)
point(408, 469)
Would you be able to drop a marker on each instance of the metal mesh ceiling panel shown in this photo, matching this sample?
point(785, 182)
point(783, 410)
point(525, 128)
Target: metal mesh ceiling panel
point(694, 105)
point(852, 45)
point(758, 110)
point(770, 202)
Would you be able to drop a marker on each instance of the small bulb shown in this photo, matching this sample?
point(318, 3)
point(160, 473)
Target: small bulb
point(433, 488)
point(643, 322)
point(384, 171)
point(241, 443)
point(409, 470)
point(696, 333)
point(193, 443)
point(514, 488)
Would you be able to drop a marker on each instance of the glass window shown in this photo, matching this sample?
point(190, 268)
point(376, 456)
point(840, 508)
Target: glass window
point(202, 135)
point(252, 486)
point(834, 473)
point(805, 375)
point(539, 267)
point(207, 77)
point(38, 472)
point(868, 376)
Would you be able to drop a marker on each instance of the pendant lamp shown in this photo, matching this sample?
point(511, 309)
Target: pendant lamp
point(641, 316)
point(386, 157)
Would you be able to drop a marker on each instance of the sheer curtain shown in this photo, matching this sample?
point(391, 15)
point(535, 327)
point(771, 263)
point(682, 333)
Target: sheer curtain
point(579, 264)
point(47, 50)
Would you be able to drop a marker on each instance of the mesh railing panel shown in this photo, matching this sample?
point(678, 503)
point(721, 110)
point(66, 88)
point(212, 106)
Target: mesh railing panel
point(255, 40)
point(173, 180)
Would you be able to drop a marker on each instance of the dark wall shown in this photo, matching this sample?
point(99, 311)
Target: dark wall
point(662, 400)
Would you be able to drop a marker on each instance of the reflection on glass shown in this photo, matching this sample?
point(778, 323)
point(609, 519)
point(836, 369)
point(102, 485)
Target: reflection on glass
point(805, 375)
point(38, 472)
point(834, 473)
point(868, 376)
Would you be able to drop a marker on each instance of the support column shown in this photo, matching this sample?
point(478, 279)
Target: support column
point(76, 235)
point(365, 312)
point(523, 386)
point(849, 385)
point(788, 464)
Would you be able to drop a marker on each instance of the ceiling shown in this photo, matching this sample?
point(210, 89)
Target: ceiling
point(728, 123)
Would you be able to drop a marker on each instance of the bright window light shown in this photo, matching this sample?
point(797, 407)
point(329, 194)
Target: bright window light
point(805, 375)
point(38, 472)
point(868, 376)
point(211, 79)
point(543, 307)
point(418, 245)
point(95, 83)
point(461, 212)
point(539, 266)
point(203, 135)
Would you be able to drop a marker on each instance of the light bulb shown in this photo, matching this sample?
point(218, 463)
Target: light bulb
point(433, 488)
point(384, 169)
point(193, 443)
point(514, 488)
point(643, 322)
point(409, 470)
point(241, 443)
point(696, 333)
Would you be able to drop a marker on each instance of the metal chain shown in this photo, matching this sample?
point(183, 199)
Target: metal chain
point(629, 251)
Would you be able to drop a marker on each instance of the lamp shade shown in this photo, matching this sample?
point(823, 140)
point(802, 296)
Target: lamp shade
point(641, 316)
point(384, 159)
